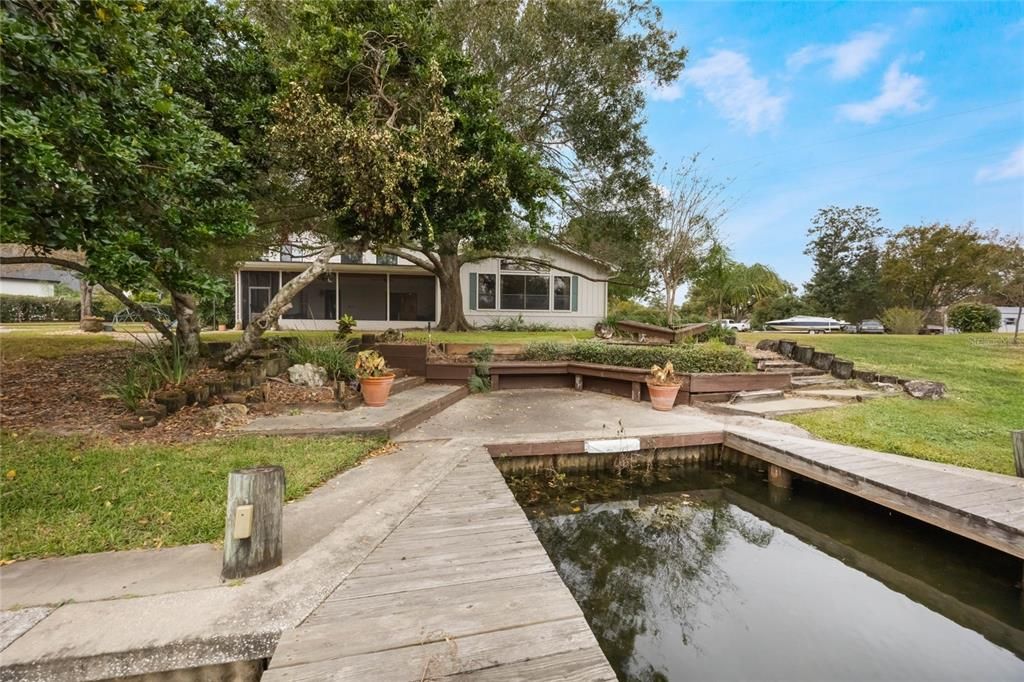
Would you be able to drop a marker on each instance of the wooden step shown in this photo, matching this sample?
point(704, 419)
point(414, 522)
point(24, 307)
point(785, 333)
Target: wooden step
point(405, 383)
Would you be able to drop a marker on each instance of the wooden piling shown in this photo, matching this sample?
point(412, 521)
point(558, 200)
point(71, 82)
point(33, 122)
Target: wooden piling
point(253, 540)
point(779, 477)
point(1018, 451)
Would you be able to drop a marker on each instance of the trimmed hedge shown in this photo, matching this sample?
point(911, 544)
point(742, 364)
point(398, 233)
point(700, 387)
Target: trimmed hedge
point(711, 357)
point(38, 309)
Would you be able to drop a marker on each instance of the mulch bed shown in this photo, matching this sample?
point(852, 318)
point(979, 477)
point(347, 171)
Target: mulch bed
point(68, 396)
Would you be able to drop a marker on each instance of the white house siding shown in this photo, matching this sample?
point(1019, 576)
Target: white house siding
point(1008, 320)
point(591, 291)
point(591, 299)
point(25, 287)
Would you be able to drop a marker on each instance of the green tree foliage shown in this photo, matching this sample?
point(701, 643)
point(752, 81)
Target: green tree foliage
point(391, 132)
point(1008, 281)
point(899, 320)
point(974, 317)
point(844, 247)
point(726, 288)
point(124, 128)
point(930, 266)
point(572, 79)
point(779, 308)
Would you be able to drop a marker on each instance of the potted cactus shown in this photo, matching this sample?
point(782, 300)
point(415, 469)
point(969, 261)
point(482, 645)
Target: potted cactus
point(663, 385)
point(375, 378)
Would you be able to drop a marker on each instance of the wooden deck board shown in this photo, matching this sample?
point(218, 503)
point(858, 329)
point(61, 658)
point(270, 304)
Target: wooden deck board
point(987, 508)
point(462, 587)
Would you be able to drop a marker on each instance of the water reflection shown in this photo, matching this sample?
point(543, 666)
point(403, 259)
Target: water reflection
point(705, 576)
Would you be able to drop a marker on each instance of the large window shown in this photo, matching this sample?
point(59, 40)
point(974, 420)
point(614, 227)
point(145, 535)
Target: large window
point(525, 292)
point(413, 298)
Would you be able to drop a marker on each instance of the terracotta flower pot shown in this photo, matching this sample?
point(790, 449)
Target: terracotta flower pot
point(663, 398)
point(375, 390)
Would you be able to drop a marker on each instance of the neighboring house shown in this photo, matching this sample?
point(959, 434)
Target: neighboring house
point(1008, 319)
point(16, 285)
point(386, 291)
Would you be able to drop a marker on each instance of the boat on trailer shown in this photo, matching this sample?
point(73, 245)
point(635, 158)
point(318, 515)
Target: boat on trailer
point(807, 323)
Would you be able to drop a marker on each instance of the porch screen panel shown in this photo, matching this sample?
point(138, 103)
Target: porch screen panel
point(262, 285)
point(315, 302)
point(364, 297)
point(413, 298)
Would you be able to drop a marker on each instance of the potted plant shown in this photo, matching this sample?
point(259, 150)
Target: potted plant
point(346, 323)
point(663, 385)
point(375, 377)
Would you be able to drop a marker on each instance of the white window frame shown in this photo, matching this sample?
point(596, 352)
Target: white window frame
point(547, 272)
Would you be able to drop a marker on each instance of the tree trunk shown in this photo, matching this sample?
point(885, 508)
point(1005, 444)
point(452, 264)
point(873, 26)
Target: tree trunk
point(241, 349)
point(85, 299)
point(670, 304)
point(450, 281)
point(1016, 328)
point(187, 333)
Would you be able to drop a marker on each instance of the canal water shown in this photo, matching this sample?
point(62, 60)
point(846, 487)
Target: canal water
point(709, 574)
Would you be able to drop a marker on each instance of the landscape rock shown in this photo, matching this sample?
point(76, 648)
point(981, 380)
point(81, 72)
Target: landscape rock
point(391, 336)
point(217, 416)
point(307, 374)
point(768, 344)
point(603, 330)
point(885, 386)
point(842, 369)
point(925, 390)
point(786, 348)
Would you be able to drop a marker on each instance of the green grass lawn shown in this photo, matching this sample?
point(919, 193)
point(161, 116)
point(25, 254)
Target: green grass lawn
point(38, 345)
point(63, 496)
point(984, 376)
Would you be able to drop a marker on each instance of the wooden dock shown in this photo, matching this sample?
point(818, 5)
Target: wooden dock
point(462, 587)
point(985, 507)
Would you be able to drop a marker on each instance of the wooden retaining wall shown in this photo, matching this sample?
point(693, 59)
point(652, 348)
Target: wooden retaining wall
point(410, 357)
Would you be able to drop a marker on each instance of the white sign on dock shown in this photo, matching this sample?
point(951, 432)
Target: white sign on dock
point(612, 445)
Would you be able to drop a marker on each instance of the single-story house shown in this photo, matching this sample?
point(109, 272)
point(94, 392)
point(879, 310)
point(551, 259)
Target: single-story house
point(34, 279)
point(385, 291)
point(1008, 319)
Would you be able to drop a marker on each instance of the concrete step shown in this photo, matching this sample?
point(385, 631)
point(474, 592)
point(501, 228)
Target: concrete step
point(816, 380)
point(405, 383)
point(765, 364)
point(846, 395)
point(759, 396)
point(798, 371)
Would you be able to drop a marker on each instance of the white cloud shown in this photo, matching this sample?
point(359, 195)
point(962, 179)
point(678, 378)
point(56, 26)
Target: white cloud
point(849, 59)
point(729, 84)
point(1010, 168)
point(669, 92)
point(902, 93)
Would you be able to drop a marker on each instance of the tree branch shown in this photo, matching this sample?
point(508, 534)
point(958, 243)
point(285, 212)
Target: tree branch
point(116, 292)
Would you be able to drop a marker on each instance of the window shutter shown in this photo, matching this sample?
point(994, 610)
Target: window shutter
point(472, 291)
point(575, 293)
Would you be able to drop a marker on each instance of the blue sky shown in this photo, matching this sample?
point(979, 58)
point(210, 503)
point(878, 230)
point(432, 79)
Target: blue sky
point(915, 109)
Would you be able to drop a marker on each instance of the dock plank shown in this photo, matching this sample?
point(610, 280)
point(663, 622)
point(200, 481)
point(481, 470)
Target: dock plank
point(462, 587)
point(985, 507)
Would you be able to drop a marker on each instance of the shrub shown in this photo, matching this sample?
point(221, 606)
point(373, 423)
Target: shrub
point(167, 364)
point(718, 332)
point(974, 317)
point(480, 380)
point(38, 309)
point(515, 324)
point(705, 357)
point(335, 357)
point(903, 320)
point(135, 383)
point(631, 310)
